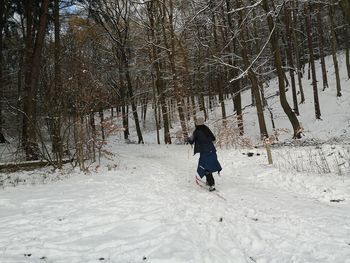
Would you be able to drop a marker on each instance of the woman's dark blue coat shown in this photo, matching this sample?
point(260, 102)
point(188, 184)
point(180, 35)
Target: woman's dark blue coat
point(203, 139)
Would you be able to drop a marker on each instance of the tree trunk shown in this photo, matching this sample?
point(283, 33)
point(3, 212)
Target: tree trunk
point(289, 51)
point(253, 78)
point(347, 50)
point(144, 110)
point(321, 46)
point(100, 112)
point(32, 65)
point(159, 83)
point(297, 54)
point(123, 98)
point(278, 64)
point(171, 52)
point(218, 73)
point(155, 106)
point(131, 98)
point(236, 96)
point(2, 24)
point(79, 138)
point(93, 134)
point(345, 4)
point(307, 9)
point(125, 118)
point(187, 83)
point(202, 106)
point(334, 51)
point(57, 146)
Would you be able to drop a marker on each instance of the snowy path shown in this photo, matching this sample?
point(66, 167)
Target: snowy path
point(150, 210)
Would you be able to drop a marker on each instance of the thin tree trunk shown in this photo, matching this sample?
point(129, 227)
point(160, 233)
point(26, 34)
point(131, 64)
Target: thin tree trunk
point(159, 83)
point(307, 9)
point(236, 96)
point(93, 133)
point(125, 118)
point(100, 112)
point(253, 79)
point(2, 24)
point(57, 146)
point(171, 52)
point(144, 110)
point(218, 73)
point(347, 50)
point(345, 4)
point(321, 46)
point(202, 106)
point(297, 54)
point(334, 51)
point(289, 51)
point(123, 98)
point(187, 82)
point(79, 138)
point(278, 63)
point(155, 106)
point(131, 98)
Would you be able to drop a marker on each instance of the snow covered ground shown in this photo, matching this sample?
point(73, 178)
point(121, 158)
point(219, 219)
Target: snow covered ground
point(148, 209)
point(142, 204)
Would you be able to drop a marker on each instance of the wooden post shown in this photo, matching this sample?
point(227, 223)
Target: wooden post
point(267, 144)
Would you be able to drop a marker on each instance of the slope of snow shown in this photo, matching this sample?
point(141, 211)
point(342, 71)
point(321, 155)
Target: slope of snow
point(335, 111)
point(148, 209)
point(143, 206)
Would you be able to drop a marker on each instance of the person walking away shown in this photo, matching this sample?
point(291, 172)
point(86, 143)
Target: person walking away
point(208, 163)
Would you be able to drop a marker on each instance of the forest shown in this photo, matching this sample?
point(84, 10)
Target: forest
point(69, 67)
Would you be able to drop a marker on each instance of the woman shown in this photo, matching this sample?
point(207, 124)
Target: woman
point(208, 163)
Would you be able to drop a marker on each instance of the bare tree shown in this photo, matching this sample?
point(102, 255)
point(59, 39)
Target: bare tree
point(35, 35)
point(278, 64)
point(345, 4)
point(251, 75)
point(169, 37)
point(231, 48)
point(334, 50)
point(290, 49)
point(154, 27)
point(114, 17)
point(308, 25)
point(3, 18)
point(321, 45)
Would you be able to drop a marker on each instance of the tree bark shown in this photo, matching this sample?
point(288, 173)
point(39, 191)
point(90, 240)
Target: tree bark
point(237, 101)
point(347, 50)
point(334, 51)
point(255, 86)
point(307, 9)
point(345, 4)
point(34, 44)
point(159, 83)
point(278, 64)
point(321, 46)
point(218, 74)
point(289, 51)
point(57, 146)
point(171, 52)
point(297, 53)
point(131, 97)
point(2, 25)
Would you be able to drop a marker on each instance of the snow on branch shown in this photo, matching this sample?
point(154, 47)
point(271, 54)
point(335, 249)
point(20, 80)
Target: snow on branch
point(245, 7)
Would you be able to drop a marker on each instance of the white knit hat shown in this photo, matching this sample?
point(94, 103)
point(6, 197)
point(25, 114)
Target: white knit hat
point(199, 121)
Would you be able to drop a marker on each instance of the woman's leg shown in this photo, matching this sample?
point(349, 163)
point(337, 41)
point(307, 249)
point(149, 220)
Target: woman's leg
point(210, 179)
